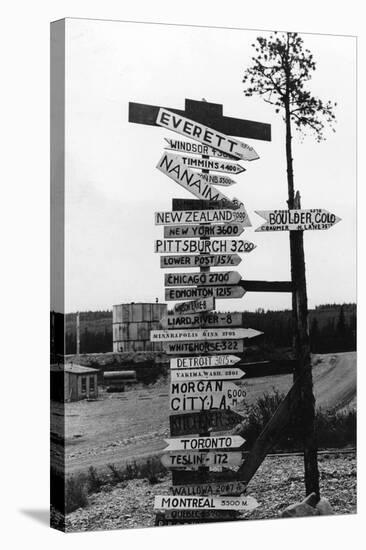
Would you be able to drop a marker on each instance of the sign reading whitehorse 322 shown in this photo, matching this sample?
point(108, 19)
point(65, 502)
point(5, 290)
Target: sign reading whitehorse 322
point(170, 502)
point(194, 246)
point(188, 335)
point(205, 135)
point(211, 260)
point(174, 167)
point(296, 220)
point(204, 443)
point(213, 346)
point(203, 361)
point(195, 148)
point(202, 320)
point(193, 217)
point(194, 231)
point(202, 278)
point(177, 375)
point(220, 292)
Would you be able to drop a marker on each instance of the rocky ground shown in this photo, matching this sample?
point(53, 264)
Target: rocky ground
point(277, 484)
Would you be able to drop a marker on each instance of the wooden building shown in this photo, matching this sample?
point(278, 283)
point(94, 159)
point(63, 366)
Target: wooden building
point(132, 324)
point(73, 382)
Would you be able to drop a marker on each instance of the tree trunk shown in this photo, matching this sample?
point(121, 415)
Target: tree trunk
point(306, 411)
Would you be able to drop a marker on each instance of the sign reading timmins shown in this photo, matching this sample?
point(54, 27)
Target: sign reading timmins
point(211, 260)
point(193, 246)
point(205, 135)
point(212, 164)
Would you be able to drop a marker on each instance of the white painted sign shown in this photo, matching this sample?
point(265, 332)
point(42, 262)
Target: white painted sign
point(193, 461)
point(195, 246)
point(203, 361)
point(173, 167)
point(231, 373)
point(199, 395)
point(196, 306)
point(297, 220)
point(212, 164)
point(191, 293)
point(188, 335)
point(213, 319)
point(205, 135)
point(195, 148)
point(171, 502)
point(194, 231)
point(213, 488)
point(194, 217)
point(211, 260)
point(218, 179)
point(218, 346)
point(202, 278)
point(204, 443)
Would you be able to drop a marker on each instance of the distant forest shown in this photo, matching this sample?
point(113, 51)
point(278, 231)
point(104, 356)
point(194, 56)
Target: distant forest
point(332, 329)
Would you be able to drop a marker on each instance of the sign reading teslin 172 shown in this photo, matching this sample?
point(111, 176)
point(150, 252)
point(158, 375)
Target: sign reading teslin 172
point(200, 394)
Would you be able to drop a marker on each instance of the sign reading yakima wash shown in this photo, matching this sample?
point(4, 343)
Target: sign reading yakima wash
point(297, 220)
point(205, 135)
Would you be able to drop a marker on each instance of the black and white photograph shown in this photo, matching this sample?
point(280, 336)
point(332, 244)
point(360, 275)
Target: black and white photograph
point(203, 274)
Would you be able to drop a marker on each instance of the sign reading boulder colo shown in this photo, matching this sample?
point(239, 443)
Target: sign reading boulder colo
point(297, 220)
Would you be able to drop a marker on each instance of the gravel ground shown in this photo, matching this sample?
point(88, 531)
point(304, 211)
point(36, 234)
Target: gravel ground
point(278, 483)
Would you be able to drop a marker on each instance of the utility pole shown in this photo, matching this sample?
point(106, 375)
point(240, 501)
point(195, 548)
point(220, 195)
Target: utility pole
point(77, 333)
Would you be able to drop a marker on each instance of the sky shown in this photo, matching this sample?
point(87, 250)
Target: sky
point(112, 186)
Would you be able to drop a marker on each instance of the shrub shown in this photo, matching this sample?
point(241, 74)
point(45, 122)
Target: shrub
point(76, 493)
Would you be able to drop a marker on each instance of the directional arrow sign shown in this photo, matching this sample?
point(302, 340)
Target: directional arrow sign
point(221, 292)
point(214, 346)
point(212, 260)
point(205, 489)
point(196, 306)
point(194, 231)
point(189, 335)
point(203, 134)
point(218, 179)
point(195, 148)
point(173, 167)
point(204, 395)
point(195, 246)
point(297, 220)
point(212, 164)
point(202, 320)
point(202, 278)
point(171, 502)
point(177, 375)
point(203, 361)
point(204, 443)
point(202, 421)
point(194, 217)
point(193, 461)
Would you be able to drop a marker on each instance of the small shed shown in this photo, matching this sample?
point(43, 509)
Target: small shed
point(73, 382)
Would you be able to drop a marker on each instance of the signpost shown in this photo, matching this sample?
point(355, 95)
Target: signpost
point(213, 346)
point(203, 361)
point(218, 179)
point(170, 502)
point(194, 246)
point(205, 278)
point(203, 320)
point(205, 395)
point(193, 461)
point(221, 292)
point(193, 217)
point(297, 220)
point(197, 422)
point(210, 260)
point(206, 374)
point(215, 165)
point(196, 148)
point(202, 305)
point(214, 488)
point(189, 335)
point(194, 231)
point(204, 443)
